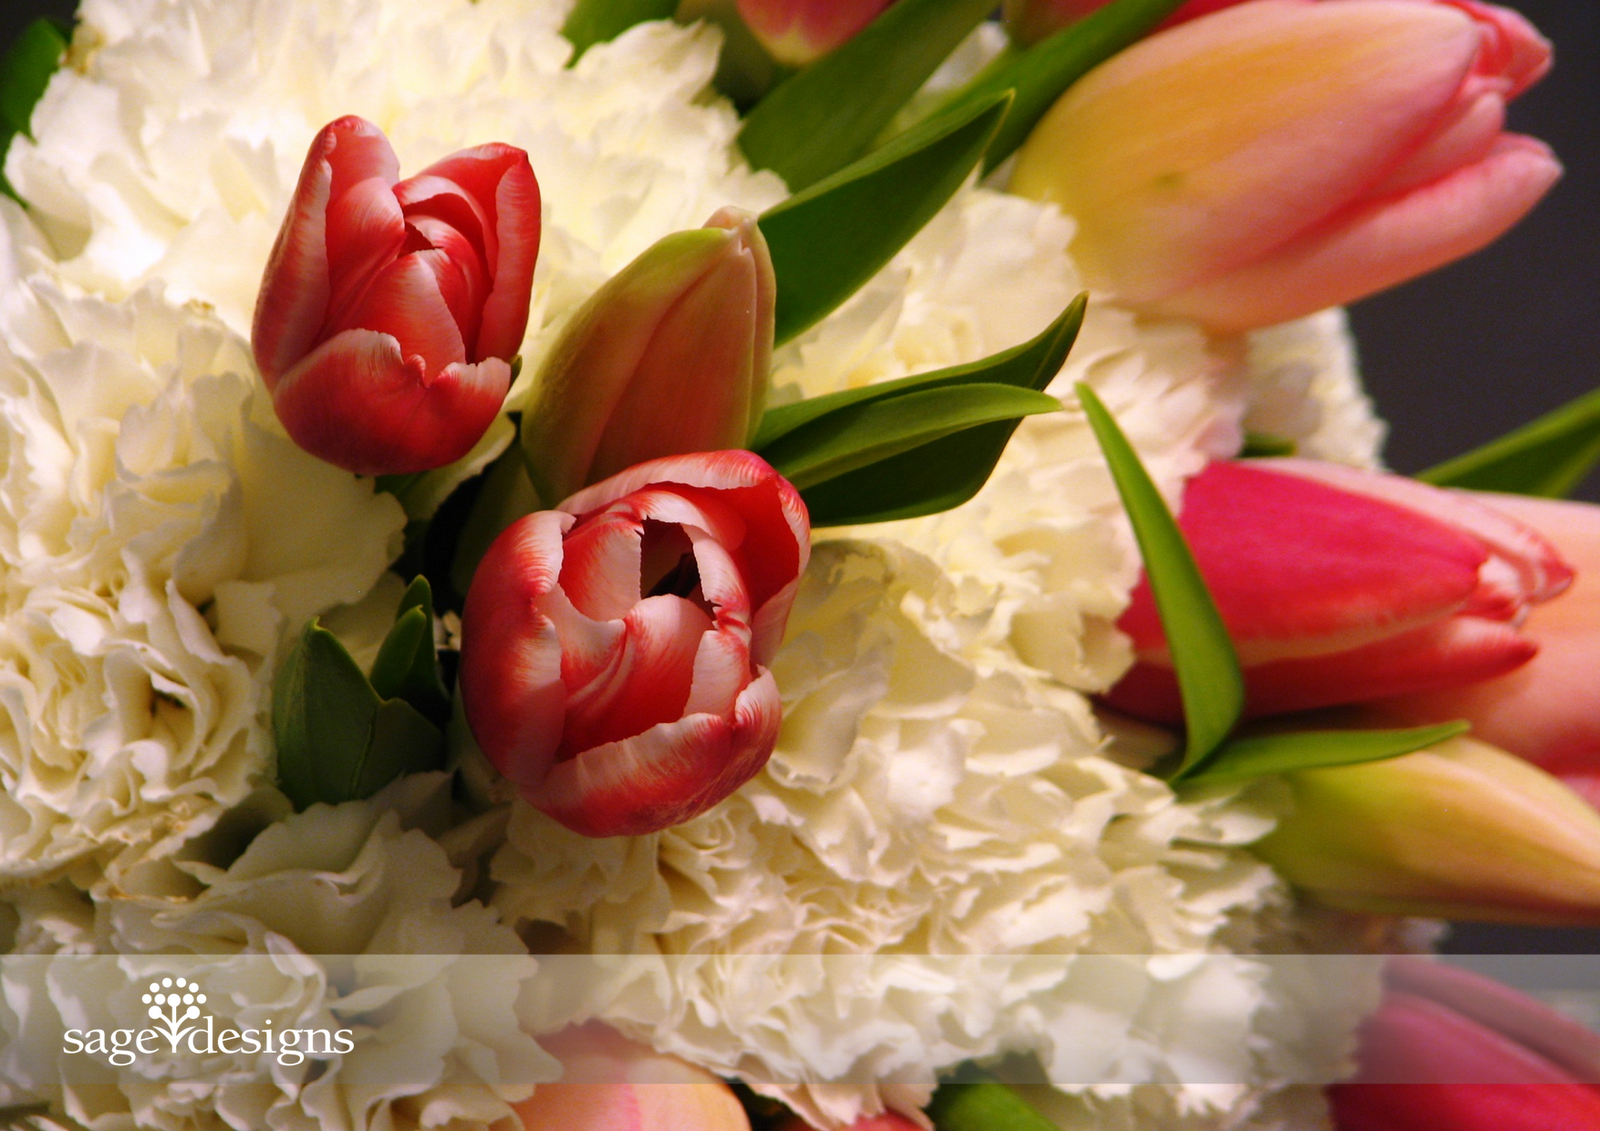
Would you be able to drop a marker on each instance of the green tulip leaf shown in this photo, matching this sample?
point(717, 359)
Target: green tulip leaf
point(1203, 659)
point(821, 119)
point(1241, 759)
point(600, 21)
point(1548, 457)
point(1032, 365)
point(1041, 74)
point(864, 434)
point(326, 723)
point(975, 1101)
point(830, 239)
point(25, 71)
point(407, 666)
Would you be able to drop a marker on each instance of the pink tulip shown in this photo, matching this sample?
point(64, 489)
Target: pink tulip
point(797, 32)
point(1449, 1050)
point(390, 310)
point(1029, 21)
point(613, 651)
point(610, 1083)
point(1342, 586)
point(1549, 710)
point(1282, 156)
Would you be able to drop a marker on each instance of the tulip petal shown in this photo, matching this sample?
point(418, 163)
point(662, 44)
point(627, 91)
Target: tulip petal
point(1513, 49)
point(406, 301)
point(604, 560)
point(407, 422)
point(1467, 138)
point(797, 32)
point(365, 232)
point(501, 181)
point(511, 679)
point(1185, 156)
point(1377, 245)
point(666, 775)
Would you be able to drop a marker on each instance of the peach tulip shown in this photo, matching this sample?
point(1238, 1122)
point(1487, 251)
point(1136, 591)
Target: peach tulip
point(1450, 1050)
point(390, 310)
point(1341, 586)
point(1282, 156)
point(610, 1083)
point(1549, 710)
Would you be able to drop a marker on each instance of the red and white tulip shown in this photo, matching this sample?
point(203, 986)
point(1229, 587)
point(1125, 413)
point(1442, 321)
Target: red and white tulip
point(614, 651)
point(1340, 586)
point(390, 310)
point(1278, 157)
point(1450, 1050)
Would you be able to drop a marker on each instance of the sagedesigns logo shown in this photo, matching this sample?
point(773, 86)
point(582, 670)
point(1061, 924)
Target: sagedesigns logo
point(172, 1002)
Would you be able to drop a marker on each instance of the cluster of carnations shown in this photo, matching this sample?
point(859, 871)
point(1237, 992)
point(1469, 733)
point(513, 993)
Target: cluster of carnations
point(615, 646)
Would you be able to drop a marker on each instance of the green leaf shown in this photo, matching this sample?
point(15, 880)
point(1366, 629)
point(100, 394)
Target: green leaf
point(938, 475)
point(403, 742)
point(600, 21)
point(1031, 365)
point(1549, 456)
point(25, 71)
point(978, 1102)
point(829, 114)
point(407, 666)
point(323, 709)
point(1241, 759)
point(1041, 74)
point(1203, 658)
point(1264, 445)
point(861, 435)
point(830, 239)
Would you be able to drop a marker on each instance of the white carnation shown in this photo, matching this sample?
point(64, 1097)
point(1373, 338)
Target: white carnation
point(159, 534)
point(429, 991)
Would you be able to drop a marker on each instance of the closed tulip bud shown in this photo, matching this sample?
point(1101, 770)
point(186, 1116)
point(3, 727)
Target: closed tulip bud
point(1462, 830)
point(797, 32)
point(390, 310)
point(1341, 586)
point(1450, 1050)
point(670, 356)
point(609, 1083)
point(1549, 710)
point(1282, 156)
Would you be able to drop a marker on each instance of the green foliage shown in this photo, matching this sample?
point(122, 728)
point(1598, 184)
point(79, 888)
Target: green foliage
point(1549, 456)
point(600, 21)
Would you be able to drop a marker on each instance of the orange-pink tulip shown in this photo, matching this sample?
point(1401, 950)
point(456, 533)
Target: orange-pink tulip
point(1340, 586)
point(1449, 1050)
point(1281, 156)
point(610, 1083)
point(614, 651)
point(797, 32)
point(1549, 710)
point(390, 310)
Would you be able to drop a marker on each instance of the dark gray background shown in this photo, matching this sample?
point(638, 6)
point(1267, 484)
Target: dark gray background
point(1468, 352)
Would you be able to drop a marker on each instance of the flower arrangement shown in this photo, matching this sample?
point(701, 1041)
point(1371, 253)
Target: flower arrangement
point(558, 556)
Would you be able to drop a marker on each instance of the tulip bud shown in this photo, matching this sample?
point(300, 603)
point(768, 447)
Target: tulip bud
point(670, 356)
point(1279, 157)
point(1462, 830)
point(797, 32)
point(390, 310)
point(1449, 1050)
point(610, 1083)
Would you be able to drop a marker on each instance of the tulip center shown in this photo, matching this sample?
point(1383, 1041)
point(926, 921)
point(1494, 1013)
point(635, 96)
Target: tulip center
point(667, 565)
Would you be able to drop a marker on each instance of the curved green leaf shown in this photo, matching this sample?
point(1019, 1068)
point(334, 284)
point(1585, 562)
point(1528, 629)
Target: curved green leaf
point(1203, 658)
point(407, 666)
point(1548, 457)
point(600, 21)
point(819, 120)
point(830, 239)
point(1241, 759)
point(975, 1101)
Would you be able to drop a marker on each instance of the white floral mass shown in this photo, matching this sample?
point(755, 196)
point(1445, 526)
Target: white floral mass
point(941, 786)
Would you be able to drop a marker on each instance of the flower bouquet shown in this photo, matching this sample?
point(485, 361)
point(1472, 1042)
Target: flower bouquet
point(779, 564)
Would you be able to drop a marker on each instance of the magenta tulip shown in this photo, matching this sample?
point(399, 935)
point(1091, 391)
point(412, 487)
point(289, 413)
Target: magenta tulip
point(797, 32)
point(1282, 156)
point(1549, 710)
point(390, 310)
point(1449, 1050)
point(614, 651)
point(609, 1083)
point(1341, 586)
